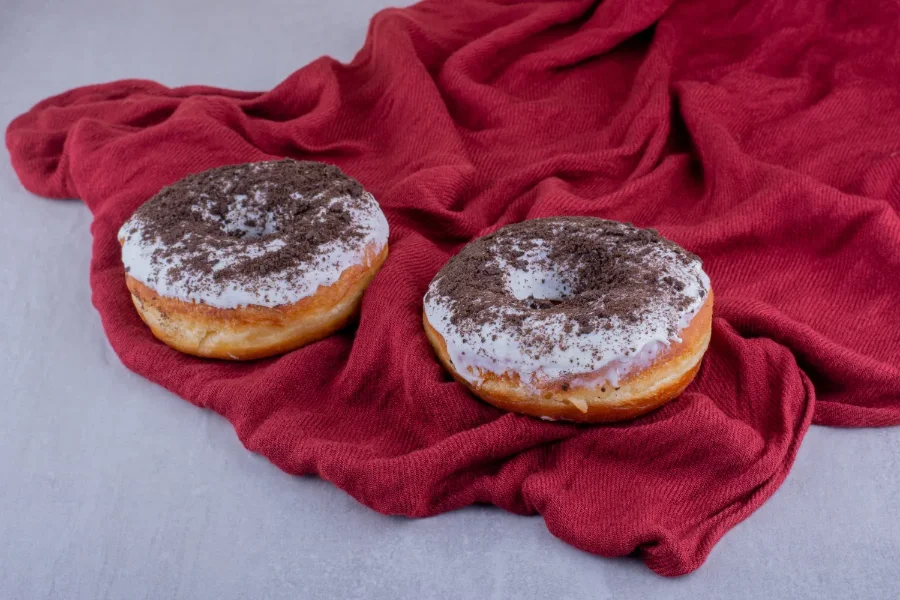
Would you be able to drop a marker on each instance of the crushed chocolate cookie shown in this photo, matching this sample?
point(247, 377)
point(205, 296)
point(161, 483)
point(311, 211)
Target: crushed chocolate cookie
point(607, 275)
point(243, 223)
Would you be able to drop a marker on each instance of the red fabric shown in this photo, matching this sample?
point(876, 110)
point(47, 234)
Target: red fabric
point(763, 137)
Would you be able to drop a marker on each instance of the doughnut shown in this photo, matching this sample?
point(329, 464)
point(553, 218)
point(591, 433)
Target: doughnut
point(252, 260)
point(571, 318)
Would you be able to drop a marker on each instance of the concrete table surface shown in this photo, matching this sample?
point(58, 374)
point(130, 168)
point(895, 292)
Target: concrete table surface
point(111, 487)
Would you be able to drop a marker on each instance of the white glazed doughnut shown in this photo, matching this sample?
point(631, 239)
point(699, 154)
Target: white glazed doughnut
point(252, 260)
point(572, 318)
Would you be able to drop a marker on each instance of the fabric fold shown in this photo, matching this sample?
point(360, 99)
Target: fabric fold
point(763, 137)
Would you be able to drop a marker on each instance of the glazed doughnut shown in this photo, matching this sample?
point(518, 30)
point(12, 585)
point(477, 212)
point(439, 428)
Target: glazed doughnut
point(252, 260)
point(571, 318)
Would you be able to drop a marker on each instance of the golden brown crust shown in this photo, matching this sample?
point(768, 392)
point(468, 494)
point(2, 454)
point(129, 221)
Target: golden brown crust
point(250, 332)
point(637, 394)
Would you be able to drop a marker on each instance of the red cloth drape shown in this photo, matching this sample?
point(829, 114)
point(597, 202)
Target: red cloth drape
point(764, 136)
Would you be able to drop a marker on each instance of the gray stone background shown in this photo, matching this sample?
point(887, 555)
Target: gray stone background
point(110, 487)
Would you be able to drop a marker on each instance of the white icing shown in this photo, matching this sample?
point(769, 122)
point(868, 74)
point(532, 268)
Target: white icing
point(323, 268)
point(582, 359)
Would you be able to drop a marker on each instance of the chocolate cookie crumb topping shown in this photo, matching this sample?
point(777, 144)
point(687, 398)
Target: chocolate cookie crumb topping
point(242, 226)
point(549, 282)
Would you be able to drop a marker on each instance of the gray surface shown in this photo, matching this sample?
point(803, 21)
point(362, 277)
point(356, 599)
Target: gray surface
point(110, 487)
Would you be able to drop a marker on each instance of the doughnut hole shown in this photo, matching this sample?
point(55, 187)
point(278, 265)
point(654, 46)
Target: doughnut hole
point(239, 217)
point(539, 288)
